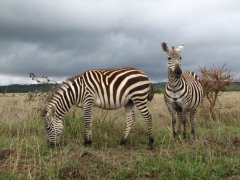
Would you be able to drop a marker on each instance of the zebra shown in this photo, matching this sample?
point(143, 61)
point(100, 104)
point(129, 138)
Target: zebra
point(108, 89)
point(183, 91)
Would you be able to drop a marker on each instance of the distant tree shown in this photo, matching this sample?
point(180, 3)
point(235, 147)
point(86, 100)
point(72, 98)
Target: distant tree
point(214, 80)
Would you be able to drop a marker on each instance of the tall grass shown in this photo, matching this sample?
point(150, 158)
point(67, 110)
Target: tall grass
point(24, 153)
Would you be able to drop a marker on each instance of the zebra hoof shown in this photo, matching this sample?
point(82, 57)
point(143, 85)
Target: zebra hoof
point(123, 142)
point(150, 143)
point(194, 138)
point(185, 141)
point(87, 142)
point(52, 144)
point(175, 134)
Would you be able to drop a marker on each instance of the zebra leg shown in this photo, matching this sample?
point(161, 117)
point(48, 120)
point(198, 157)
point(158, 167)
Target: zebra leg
point(129, 122)
point(173, 114)
point(184, 120)
point(174, 124)
point(142, 106)
point(192, 115)
point(88, 123)
point(133, 116)
point(179, 122)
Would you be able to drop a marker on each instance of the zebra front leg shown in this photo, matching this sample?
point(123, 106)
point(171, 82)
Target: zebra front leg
point(173, 123)
point(173, 115)
point(179, 122)
point(184, 120)
point(129, 122)
point(88, 123)
point(192, 115)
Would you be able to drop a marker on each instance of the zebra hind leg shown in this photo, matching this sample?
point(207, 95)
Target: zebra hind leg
point(88, 123)
point(142, 106)
point(129, 122)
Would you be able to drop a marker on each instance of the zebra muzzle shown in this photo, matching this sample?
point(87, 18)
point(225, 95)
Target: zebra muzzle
point(177, 71)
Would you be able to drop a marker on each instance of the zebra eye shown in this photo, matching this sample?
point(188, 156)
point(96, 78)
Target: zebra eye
point(169, 58)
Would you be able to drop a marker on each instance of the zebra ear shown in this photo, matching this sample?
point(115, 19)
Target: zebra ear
point(180, 47)
point(164, 47)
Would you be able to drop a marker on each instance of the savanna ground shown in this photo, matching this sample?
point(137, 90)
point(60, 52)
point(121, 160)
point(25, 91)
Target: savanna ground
point(24, 153)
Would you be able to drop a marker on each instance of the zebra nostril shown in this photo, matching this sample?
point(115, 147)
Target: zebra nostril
point(178, 71)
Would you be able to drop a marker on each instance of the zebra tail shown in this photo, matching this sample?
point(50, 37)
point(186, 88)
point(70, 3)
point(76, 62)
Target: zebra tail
point(150, 92)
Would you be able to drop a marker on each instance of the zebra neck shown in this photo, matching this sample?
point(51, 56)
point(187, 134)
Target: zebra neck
point(173, 82)
point(61, 109)
point(64, 99)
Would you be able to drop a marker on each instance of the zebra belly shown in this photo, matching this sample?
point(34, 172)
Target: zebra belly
point(108, 105)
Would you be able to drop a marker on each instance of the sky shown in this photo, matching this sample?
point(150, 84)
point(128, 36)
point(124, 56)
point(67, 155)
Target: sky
point(63, 38)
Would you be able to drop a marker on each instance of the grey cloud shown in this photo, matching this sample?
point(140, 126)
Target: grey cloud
point(67, 38)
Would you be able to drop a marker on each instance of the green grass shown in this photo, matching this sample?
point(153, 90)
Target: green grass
point(158, 90)
point(24, 153)
point(214, 155)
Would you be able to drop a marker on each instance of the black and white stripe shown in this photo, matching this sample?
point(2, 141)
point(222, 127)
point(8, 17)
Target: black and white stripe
point(183, 92)
point(107, 89)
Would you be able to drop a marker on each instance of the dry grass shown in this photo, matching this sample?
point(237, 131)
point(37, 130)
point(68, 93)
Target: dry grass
point(24, 153)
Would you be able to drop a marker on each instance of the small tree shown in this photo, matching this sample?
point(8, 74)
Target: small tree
point(32, 96)
point(41, 79)
point(214, 80)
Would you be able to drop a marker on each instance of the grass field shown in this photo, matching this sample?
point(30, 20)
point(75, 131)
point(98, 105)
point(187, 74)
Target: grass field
point(24, 153)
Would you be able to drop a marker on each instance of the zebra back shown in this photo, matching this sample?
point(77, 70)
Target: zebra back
point(112, 87)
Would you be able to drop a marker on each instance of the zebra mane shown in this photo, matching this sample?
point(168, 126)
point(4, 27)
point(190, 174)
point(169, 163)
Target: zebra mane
point(52, 93)
point(192, 75)
point(71, 79)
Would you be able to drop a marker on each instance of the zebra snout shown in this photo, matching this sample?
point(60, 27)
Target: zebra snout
point(178, 71)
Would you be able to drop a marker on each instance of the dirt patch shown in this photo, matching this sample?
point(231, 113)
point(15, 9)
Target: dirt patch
point(236, 141)
point(72, 173)
point(233, 178)
point(87, 153)
point(5, 153)
point(212, 141)
point(78, 171)
point(87, 165)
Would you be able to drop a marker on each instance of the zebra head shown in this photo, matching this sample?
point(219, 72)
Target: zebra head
point(174, 59)
point(53, 126)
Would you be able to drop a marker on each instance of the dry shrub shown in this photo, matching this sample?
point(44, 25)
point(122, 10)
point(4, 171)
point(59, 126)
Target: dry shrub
point(214, 80)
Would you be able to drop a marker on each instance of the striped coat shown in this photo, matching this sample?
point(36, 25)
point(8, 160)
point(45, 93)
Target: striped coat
point(183, 92)
point(107, 89)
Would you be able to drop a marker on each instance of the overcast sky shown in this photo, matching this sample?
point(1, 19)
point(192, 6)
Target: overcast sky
point(61, 38)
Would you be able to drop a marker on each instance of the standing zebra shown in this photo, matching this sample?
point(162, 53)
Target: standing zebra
point(183, 92)
point(107, 89)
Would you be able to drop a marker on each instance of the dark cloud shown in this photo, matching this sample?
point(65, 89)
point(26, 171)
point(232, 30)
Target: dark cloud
point(67, 38)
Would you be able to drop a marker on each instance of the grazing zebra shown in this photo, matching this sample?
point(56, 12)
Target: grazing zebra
point(107, 89)
point(183, 92)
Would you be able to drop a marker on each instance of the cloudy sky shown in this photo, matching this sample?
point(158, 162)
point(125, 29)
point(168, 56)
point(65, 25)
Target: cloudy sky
point(61, 38)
